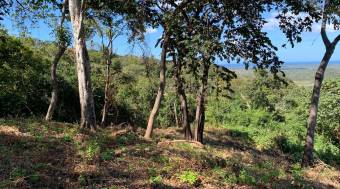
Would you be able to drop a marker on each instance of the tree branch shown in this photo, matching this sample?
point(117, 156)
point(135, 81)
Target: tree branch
point(20, 4)
point(324, 24)
point(63, 13)
point(336, 40)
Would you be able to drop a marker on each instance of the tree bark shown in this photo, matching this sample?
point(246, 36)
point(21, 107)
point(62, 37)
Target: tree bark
point(158, 100)
point(88, 117)
point(106, 98)
point(182, 99)
point(200, 106)
point(185, 120)
point(62, 46)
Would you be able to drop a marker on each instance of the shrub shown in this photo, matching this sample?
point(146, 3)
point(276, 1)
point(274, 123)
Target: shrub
point(189, 177)
point(156, 180)
point(92, 150)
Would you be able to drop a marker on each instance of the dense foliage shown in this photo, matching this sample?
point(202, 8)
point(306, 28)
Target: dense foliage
point(329, 115)
point(274, 117)
point(23, 78)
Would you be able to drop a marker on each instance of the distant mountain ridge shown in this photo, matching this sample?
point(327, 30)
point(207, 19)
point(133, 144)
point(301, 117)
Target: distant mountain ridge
point(312, 62)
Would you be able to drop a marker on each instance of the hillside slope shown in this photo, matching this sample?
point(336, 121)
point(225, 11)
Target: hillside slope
point(35, 154)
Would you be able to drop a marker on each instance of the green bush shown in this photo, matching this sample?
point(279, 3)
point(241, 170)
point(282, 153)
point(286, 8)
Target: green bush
point(156, 180)
point(92, 150)
point(189, 177)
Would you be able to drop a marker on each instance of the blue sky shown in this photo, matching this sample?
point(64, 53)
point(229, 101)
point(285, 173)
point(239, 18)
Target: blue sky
point(311, 49)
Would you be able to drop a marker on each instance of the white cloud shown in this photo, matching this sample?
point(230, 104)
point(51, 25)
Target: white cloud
point(151, 30)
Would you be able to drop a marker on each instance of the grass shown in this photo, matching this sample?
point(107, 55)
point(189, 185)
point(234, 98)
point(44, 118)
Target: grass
point(37, 154)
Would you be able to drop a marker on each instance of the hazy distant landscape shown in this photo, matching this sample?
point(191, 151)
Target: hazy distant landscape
point(302, 73)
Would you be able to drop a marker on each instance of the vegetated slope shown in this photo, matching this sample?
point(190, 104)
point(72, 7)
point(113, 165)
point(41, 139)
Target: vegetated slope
point(37, 154)
point(304, 74)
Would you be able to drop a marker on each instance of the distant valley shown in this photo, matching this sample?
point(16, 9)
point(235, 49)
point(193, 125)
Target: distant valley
point(302, 73)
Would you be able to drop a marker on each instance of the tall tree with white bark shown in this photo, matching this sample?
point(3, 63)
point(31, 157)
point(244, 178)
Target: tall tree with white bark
point(77, 13)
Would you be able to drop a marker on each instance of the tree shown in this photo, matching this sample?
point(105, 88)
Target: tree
point(167, 13)
point(110, 29)
point(212, 32)
point(217, 35)
point(32, 11)
point(160, 92)
point(180, 49)
point(180, 90)
point(63, 41)
point(77, 12)
point(238, 25)
point(329, 8)
point(107, 51)
point(4, 5)
point(110, 20)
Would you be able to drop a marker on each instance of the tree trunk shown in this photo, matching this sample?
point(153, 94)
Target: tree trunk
point(200, 106)
point(319, 76)
point(106, 100)
point(54, 82)
point(88, 117)
point(107, 81)
point(185, 120)
point(157, 104)
point(62, 46)
point(182, 99)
